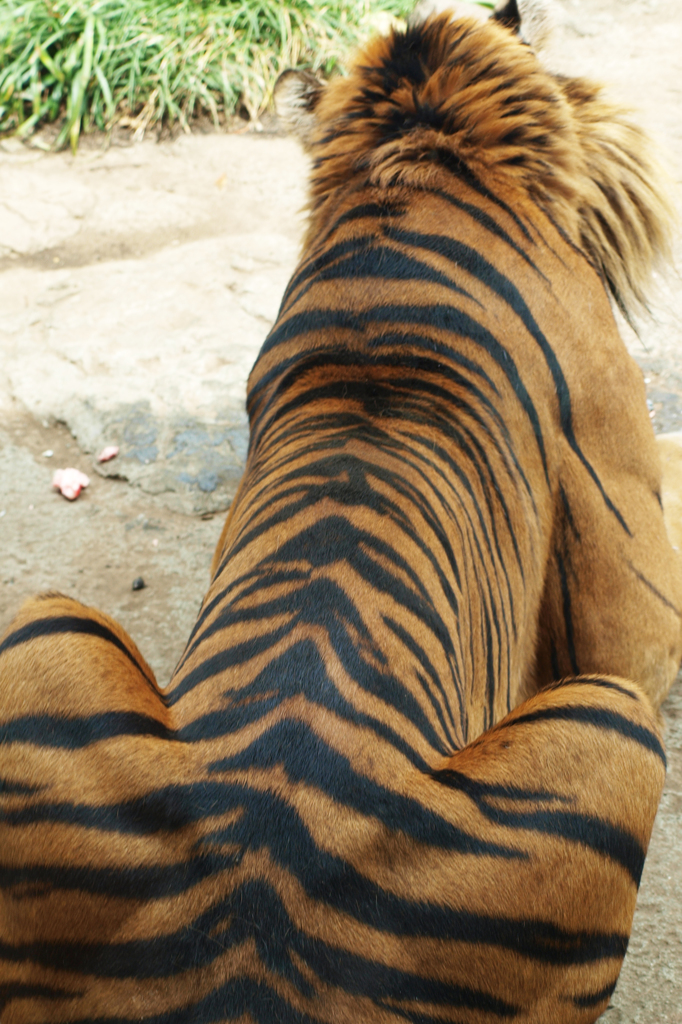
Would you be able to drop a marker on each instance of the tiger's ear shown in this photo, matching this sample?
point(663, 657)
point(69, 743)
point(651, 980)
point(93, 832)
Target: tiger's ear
point(532, 20)
point(507, 14)
point(456, 8)
point(296, 96)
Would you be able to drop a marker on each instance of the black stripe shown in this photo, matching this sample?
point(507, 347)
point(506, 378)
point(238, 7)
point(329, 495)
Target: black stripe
point(606, 684)
point(568, 515)
point(8, 787)
point(661, 597)
point(490, 224)
point(73, 624)
point(378, 210)
point(75, 733)
point(595, 998)
point(602, 836)
point(12, 990)
point(600, 718)
point(453, 163)
point(312, 267)
point(568, 614)
point(368, 259)
point(491, 677)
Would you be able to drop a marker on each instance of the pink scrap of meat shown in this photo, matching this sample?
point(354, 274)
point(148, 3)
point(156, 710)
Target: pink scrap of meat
point(110, 452)
point(70, 482)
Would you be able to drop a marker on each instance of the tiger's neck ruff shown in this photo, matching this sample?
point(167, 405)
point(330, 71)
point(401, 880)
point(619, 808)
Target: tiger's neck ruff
point(464, 96)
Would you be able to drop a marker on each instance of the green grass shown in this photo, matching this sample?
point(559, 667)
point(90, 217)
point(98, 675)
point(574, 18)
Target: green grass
point(93, 63)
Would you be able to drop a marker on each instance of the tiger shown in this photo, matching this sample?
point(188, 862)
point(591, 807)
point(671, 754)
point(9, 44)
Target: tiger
point(408, 764)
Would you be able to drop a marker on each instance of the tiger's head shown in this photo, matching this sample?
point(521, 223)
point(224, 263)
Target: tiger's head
point(456, 93)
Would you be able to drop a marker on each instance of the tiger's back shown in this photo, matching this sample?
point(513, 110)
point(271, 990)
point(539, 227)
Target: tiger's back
point(364, 795)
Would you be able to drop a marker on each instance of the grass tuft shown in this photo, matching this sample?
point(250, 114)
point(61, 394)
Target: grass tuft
point(139, 63)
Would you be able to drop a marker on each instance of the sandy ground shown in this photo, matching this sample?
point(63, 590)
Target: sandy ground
point(136, 286)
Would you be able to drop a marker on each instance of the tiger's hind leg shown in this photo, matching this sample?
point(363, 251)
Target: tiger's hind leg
point(79, 710)
point(563, 792)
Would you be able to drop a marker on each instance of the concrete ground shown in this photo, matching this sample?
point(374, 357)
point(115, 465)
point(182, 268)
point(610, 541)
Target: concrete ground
point(136, 286)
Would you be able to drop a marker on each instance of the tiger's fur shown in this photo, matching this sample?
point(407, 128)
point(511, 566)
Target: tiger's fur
point(408, 766)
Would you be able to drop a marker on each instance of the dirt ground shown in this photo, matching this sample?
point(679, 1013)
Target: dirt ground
point(137, 283)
